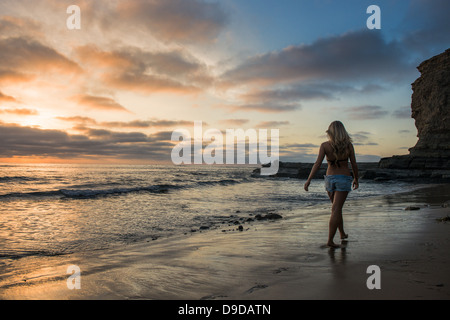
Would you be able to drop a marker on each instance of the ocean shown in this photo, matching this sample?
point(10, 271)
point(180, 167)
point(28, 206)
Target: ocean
point(55, 209)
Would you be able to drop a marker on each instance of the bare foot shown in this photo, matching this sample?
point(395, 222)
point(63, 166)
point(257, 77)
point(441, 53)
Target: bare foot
point(333, 245)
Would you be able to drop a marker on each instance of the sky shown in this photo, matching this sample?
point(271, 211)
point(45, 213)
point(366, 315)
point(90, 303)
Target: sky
point(115, 90)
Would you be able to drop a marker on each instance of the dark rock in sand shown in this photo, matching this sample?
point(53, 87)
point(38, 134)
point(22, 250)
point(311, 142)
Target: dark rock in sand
point(444, 219)
point(269, 216)
point(412, 208)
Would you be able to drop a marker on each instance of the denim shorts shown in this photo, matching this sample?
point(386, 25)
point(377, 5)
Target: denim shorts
point(338, 182)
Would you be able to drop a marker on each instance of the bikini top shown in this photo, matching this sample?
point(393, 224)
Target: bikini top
point(336, 162)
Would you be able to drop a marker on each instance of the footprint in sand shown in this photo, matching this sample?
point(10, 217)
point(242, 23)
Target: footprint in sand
point(257, 287)
point(280, 270)
point(213, 297)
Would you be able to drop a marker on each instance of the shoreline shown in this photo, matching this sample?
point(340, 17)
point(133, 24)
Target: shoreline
point(271, 260)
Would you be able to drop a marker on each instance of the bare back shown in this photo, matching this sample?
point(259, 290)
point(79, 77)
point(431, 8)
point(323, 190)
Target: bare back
point(338, 166)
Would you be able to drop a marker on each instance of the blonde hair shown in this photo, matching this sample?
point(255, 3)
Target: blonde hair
point(340, 141)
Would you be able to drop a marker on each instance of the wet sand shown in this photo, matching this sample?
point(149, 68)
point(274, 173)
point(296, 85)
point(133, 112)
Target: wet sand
point(270, 260)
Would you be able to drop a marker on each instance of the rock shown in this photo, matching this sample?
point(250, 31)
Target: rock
point(273, 216)
point(204, 228)
point(411, 208)
point(269, 216)
point(444, 219)
point(430, 108)
point(241, 228)
point(301, 170)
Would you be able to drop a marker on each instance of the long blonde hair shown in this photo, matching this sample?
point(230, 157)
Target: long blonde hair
point(340, 141)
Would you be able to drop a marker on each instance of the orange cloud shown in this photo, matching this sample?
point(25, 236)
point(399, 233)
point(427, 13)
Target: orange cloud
point(155, 123)
point(5, 98)
point(264, 108)
point(148, 84)
point(11, 26)
point(21, 112)
point(8, 76)
point(99, 103)
point(147, 72)
point(22, 55)
point(187, 21)
point(94, 57)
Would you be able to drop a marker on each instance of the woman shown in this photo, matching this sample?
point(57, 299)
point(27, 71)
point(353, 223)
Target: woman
point(338, 180)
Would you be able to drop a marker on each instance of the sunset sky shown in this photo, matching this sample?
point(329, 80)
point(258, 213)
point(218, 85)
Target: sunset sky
point(115, 90)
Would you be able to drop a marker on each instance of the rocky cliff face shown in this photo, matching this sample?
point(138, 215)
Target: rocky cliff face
point(430, 108)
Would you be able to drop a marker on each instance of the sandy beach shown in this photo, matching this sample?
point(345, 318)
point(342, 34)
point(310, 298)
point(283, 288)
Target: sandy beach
point(269, 260)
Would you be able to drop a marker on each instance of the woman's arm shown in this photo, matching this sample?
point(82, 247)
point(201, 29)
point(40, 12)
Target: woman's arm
point(316, 166)
point(354, 168)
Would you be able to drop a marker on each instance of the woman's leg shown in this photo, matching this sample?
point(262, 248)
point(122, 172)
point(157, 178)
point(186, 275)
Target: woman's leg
point(336, 220)
point(341, 224)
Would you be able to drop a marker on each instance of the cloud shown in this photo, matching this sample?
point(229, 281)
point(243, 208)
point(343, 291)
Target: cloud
point(28, 142)
point(287, 94)
point(298, 152)
point(402, 113)
point(354, 63)
point(366, 112)
point(362, 138)
point(309, 91)
point(300, 145)
point(99, 103)
point(155, 123)
point(264, 108)
point(429, 34)
point(21, 58)
point(148, 84)
point(6, 98)
point(78, 119)
point(10, 76)
point(134, 69)
point(20, 112)
point(351, 56)
point(271, 124)
point(13, 27)
point(184, 21)
point(235, 122)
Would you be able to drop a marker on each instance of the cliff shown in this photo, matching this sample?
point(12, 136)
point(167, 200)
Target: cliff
point(430, 108)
